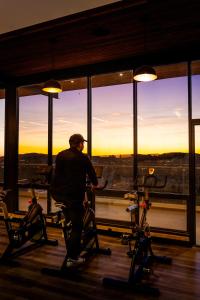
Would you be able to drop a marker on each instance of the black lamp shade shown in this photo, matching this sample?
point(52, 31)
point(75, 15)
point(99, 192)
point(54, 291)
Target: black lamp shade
point(145, 73)
point(52, 86)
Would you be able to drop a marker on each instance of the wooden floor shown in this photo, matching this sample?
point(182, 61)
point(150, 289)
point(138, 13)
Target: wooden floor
point(181, 280)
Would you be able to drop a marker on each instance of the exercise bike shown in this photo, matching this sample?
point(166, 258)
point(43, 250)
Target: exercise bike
point(24, 229)
point(89, 240)
point(142, 255)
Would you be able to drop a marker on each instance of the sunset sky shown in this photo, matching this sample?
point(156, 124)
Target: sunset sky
point(162, 118)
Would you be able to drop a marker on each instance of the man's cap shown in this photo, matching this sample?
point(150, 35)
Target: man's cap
point(76, 139)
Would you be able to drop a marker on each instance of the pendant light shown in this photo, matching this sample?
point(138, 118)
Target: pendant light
point(52, 86)
point(145, 72)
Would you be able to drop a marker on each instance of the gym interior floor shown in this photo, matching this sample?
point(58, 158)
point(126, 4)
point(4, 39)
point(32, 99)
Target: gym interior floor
point(25, 280)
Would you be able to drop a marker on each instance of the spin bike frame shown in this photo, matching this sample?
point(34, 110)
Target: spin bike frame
point(20, 230)
point(90, 243)
point(142, 255)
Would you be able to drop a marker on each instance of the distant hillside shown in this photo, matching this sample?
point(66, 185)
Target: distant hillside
point(42, 158)
point(33, 158)
point(170, 155)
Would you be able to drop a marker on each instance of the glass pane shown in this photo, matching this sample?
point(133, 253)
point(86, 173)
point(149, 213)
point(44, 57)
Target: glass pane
point(112, 138)
point(70, 113)
point(33, 137)
point(196, 89)
point(2, 133)
point(197, 180)
point(163, 143)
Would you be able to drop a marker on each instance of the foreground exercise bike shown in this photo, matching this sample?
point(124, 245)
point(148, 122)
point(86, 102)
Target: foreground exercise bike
point(89, 240)
point(24, 229)
point(142, 255)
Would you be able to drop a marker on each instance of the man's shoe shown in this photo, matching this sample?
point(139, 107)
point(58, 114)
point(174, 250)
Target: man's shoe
point(74, 262)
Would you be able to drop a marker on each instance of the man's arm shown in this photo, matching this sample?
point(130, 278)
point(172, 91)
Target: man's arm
point(58, 165)
point(91, 173)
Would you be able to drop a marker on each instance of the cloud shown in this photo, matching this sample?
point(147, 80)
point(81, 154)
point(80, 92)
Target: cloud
point(64, 121)
point(177, 114)
point(116, 114)
point(100, 120)
point(37, 123)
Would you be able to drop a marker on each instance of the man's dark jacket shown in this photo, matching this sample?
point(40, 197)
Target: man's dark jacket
point(69, 181)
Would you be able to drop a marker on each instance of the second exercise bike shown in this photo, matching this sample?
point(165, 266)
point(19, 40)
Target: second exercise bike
point(25, 232)
point(141, 254)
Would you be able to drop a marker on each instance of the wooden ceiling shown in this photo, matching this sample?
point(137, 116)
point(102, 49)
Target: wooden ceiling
point(108, 79)
point(126, 33)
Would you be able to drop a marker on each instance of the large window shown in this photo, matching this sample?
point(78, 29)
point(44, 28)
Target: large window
point(163, 141)
point(33, 141)
point(162, 137)
point(2, 133)
point(196, 115)
point(112, 137)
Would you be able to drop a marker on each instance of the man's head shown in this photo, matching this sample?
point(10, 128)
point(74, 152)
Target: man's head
point(77, 141)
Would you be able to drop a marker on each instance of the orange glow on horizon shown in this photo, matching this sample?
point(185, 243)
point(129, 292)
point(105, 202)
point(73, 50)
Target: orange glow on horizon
point(102, 152)
point(33, 149)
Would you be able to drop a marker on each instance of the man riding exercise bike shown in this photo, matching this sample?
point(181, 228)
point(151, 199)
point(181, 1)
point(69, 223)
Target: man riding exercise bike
point(68, 187)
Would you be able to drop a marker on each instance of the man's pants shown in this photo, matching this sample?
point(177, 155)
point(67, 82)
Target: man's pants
point(75, 215)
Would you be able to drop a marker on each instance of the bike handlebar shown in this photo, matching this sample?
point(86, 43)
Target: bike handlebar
point(101, 187)
point(98, 187)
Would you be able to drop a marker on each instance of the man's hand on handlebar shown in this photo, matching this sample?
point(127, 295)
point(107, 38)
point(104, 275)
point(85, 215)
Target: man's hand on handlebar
point(100, 187)
point(94, 187)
